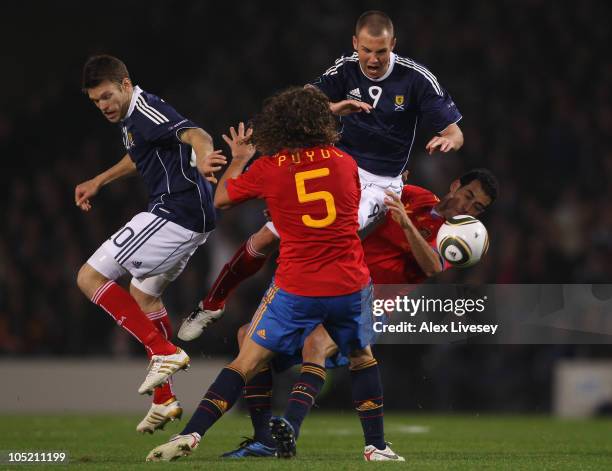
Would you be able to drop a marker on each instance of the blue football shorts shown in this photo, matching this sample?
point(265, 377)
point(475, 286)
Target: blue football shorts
point(284, 320)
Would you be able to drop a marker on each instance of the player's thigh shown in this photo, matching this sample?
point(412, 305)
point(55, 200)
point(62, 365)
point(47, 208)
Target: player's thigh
point(283, 320)
point(372, 203)
point(350, 321)
point(149, 245)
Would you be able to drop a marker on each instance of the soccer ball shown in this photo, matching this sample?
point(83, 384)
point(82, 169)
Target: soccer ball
point(462, 241)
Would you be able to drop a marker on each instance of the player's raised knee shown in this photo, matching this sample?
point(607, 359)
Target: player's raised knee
point(89, 280)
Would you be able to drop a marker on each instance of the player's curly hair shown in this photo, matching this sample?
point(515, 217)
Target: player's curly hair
point(295, 118)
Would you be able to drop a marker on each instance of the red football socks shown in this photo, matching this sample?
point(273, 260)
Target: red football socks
point(125, 310)
point(160, 319)
point(245, 263)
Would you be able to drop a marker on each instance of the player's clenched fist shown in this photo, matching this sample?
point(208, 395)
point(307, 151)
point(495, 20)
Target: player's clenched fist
point(83, 192)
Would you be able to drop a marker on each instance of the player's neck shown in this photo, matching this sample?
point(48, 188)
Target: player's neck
point(126, 106)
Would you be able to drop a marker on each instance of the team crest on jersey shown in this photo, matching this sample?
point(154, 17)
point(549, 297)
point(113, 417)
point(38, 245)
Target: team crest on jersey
point(399, 102)
point(128, 138)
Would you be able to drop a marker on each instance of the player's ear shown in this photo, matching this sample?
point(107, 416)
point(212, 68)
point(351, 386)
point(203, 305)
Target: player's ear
point(355, 42)
point(393, 43)
point(126, 83)
point(455, 185)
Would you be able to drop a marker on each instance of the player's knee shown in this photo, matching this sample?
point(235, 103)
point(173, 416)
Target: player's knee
point(318, 346)
point(361, 356)
point(89, 280)
point(146, 302)
point(264, 241)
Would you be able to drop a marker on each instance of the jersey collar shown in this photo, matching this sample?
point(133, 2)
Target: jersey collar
point(135, 94)
point(387, 73)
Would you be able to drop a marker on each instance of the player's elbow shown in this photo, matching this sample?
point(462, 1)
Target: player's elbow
point(434, 269)
point(222, 201)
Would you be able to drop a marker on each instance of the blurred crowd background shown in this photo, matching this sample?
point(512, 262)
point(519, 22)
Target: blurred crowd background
point(531, 78)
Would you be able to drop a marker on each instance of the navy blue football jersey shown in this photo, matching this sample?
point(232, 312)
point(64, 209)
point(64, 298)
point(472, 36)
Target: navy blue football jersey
point(380, 142)
point(177, 191)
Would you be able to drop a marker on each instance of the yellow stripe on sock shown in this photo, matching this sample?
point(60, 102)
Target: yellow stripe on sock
point(364, 365)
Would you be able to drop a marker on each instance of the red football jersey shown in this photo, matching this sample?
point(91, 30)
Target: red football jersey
point(313, 198)
point(387, 251)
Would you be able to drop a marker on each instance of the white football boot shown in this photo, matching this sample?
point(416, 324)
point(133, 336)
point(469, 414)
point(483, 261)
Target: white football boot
point(159, 415)
point(199, 319)
point(371, 453)
point(178, 446)
point(161, 368)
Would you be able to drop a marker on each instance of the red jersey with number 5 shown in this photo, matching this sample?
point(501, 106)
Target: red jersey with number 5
point(313, 198)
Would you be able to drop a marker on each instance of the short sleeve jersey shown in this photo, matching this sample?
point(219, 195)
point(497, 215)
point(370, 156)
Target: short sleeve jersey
point(387, 251)
point(177, 192)
point(313, 198)
point(407, 94)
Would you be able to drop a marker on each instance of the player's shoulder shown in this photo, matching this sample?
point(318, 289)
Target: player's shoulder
point(345, 61)
point(150, 109)
point(416, 71)
point(418, 197)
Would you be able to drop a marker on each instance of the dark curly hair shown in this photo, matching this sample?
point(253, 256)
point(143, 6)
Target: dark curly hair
point(295, 118)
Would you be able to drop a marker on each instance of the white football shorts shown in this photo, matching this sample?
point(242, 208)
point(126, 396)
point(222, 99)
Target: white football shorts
point(372, 203)
point(152, 249)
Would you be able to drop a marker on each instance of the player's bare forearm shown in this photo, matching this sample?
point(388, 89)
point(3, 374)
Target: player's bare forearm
point(124, 168)
point(346, 107)
point(449, 139)
point(88, 189)
point(424, 255)
point(454, 134)
point(222, 199)
point(200, 141)
point(208, 161)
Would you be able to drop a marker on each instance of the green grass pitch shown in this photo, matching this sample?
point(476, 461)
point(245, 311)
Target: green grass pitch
point(328, 442)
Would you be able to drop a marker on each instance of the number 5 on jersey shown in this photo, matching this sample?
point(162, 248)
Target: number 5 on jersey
point(304, 197)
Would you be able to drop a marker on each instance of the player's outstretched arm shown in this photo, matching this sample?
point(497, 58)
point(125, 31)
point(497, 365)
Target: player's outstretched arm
point(345, 107)
point(208, 161)
point(88, 189)
point(449, 139)
point(242, 152)
point(425, 256)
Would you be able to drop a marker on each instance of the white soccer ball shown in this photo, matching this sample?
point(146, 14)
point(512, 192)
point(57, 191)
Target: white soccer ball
point(462, 241)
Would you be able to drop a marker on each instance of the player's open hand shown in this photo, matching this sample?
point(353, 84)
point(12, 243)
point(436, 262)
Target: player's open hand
point(398, 211)
point(239, 142)
point(441, 143)
point(83, 192)
point(211, 163)
point(344, 107)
